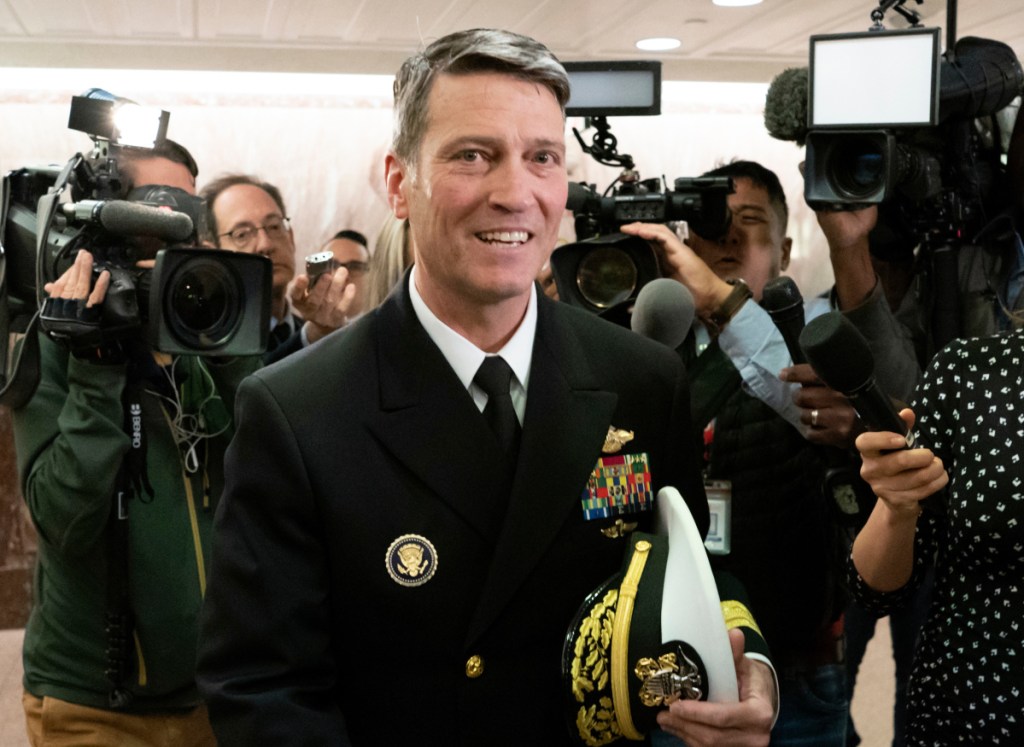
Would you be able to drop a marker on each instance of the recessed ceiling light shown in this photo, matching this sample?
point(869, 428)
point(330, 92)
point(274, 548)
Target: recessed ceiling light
point(736, 3)
point(658, 44)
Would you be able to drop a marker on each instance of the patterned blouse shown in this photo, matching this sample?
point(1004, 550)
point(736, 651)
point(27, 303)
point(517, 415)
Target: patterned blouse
point(967, 684)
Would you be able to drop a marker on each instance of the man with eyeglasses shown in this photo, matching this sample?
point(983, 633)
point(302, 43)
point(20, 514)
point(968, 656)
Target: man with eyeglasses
point(248, 215)
point(138, 580)
point(350, 250)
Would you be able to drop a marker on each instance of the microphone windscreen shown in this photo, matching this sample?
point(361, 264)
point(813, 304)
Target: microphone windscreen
point(785, 105)
point(134, 219)
point(663, 312)
point(838, 352)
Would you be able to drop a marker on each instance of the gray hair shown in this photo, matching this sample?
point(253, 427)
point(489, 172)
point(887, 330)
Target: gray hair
point(464, 53)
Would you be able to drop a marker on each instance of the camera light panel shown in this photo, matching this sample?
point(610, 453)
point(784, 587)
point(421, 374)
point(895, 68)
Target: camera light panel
point(140, 126)
point(624, 87)
point(875, 79)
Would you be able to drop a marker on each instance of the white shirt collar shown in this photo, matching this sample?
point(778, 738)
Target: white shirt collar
point(465, 358)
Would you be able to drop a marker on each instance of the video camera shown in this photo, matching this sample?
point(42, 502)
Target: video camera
point(193, 301)
point(604, 270)
point(891, 120)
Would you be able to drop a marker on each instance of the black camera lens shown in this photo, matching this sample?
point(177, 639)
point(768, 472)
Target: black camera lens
point(606, 276)
point(857, 167)
point(203, 303)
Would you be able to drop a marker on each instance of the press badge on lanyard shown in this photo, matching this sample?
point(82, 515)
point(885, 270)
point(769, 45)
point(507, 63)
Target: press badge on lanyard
point(719, 494)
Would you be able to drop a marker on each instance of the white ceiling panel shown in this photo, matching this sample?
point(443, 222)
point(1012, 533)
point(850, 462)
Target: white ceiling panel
point(367, 36)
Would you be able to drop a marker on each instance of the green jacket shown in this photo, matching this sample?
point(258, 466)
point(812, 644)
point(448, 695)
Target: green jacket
point(71, 439)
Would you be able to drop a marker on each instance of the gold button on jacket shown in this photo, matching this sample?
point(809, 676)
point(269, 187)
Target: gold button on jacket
point(474, 666)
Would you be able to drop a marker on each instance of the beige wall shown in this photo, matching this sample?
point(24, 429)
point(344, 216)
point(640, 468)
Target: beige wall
point(324, 148)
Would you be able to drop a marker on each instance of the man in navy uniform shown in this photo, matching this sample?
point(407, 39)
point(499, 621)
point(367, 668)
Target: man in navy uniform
point(407, 532)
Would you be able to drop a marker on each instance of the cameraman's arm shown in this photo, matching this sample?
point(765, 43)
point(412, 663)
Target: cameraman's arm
point(751, 340)
point(861, 298)
point(847, 234)
point(70, 437)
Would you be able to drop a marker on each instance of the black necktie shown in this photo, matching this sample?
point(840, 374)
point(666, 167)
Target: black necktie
point(494, 377)
point(279, 335)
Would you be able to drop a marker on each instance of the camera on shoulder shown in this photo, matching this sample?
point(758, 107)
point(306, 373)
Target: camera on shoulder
point(164, 291)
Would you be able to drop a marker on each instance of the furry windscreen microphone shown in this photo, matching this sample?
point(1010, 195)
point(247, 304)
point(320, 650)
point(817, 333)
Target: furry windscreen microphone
point(125, 218)
point(663, 312)
point(785, 105)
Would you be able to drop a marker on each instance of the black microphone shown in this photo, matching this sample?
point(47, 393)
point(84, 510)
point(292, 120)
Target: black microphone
point(841, 357)
point(783, 302)
point(125, 218)
point(785, 105)
point(663, 312)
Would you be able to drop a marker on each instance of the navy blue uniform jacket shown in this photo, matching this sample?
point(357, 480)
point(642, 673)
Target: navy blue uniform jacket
point(368, 436)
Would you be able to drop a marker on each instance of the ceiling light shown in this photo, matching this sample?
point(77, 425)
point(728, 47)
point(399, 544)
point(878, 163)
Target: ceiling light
point(735, 3)
point(658, 44)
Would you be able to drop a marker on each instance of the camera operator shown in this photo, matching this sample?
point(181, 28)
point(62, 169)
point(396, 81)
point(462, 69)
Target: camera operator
point(760, 454)
point(119, 429)
point(865, 292)
point(248, 215)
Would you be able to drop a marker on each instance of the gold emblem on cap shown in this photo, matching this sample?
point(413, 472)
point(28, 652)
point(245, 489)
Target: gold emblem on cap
point(411, 560)
point(616, 439)
point(667, 679)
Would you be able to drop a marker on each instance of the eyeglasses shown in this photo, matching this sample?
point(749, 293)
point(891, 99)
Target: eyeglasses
point(244, 236)
point(355, 266)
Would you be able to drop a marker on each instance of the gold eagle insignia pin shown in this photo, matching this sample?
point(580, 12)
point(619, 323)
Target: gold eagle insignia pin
point(616, 439)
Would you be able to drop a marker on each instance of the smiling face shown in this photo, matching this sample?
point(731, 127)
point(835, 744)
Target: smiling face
point(485, 198)
point(755, 248)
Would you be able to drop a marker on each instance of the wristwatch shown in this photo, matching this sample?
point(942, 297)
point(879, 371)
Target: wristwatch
point(718, 318)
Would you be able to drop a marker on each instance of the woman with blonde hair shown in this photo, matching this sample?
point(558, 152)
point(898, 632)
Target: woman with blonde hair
point(393, 254)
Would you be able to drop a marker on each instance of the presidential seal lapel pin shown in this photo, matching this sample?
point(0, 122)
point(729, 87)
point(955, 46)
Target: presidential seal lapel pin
point(616, 439)
point(411, 560)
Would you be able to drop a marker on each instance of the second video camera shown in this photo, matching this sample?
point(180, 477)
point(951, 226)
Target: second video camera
point(603, 271)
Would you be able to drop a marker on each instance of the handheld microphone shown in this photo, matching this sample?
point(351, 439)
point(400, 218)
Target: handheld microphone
point(783, 302)
point(125, 218)
point(841, 357)
point(785, 105)
point(663, 312)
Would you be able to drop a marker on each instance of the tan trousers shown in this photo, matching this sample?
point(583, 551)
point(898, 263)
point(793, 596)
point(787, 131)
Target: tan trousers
point(57, 723)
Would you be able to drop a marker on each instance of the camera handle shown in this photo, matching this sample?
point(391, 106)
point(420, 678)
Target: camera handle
point(915, 20)
point(879, 13)
point(602, 148)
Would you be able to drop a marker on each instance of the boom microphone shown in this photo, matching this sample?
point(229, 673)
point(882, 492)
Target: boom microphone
point(783, 302)
point(125, 218)
point(785, 105)
point(840, 355)
point(663, 312)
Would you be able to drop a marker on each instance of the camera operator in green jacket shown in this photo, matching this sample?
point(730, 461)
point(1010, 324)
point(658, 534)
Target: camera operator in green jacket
point(110, 644)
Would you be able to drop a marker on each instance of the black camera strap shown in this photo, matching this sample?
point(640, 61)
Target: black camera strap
point(131, 482)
